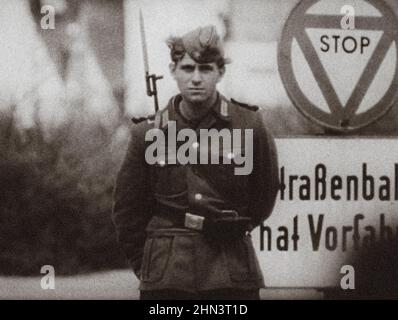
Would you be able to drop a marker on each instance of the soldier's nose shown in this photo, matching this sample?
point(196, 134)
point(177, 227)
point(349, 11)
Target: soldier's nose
point(196, 77)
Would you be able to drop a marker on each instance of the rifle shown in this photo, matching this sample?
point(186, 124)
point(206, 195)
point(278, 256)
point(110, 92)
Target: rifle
point(150, 79)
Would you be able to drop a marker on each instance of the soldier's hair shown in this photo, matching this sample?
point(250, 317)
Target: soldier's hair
point(177, 52)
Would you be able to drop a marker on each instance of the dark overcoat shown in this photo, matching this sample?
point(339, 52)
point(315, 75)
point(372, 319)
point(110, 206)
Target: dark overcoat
point(150, 202)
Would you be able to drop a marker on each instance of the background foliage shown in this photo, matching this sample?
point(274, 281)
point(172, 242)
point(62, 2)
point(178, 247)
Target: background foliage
point(56, 198)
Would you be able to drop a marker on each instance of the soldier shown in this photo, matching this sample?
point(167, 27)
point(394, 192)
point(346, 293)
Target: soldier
point(185, 228)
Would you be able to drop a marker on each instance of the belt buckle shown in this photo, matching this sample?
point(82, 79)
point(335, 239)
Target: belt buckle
point(193, 221)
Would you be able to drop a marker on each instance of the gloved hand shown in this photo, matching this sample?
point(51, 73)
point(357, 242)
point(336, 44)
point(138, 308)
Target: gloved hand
point(225, 228)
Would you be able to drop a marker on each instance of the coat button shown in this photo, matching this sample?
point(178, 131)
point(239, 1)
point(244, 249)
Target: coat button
point(198, 196)
point(230, 155)
point(195, 145)
point(162, 163)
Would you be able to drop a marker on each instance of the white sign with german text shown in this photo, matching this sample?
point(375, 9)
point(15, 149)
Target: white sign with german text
point(337, 196)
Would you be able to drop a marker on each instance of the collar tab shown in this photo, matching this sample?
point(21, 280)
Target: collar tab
point(222, 109)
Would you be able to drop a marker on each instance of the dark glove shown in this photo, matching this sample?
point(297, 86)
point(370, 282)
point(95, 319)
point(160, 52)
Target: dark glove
point(225, 228)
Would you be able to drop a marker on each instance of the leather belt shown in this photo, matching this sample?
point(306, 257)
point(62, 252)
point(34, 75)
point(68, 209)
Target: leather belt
point(227, 225)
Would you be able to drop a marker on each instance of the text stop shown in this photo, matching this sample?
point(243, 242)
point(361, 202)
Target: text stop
point(347, 44)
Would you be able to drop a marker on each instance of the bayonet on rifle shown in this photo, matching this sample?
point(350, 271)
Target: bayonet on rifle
point(150, 79)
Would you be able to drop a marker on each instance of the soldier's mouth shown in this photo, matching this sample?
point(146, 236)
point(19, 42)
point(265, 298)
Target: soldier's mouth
point(196, 89)
point(197, 92)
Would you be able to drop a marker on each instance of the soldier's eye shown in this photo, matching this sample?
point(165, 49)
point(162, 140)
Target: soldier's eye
point(187, 68)
point(205, 68)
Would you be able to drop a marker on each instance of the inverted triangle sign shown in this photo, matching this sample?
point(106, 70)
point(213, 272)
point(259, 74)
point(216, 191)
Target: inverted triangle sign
point(343, 69)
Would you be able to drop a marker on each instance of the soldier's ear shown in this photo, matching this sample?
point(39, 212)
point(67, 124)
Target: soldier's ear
point(172, 68)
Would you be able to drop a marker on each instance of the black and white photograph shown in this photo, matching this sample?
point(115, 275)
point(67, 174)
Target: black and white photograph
point(198, 150)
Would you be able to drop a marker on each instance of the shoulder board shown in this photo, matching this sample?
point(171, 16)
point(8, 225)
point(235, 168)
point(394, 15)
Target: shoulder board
point(137, 120)
point(244, 105)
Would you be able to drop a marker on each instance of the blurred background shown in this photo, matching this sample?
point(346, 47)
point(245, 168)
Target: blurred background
point(62, 135)
point(66, 99)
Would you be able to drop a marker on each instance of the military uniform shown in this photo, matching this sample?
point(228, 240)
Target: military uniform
point(151, 203)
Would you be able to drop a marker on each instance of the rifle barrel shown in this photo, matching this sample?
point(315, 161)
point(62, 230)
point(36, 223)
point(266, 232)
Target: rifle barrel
point(143, 43)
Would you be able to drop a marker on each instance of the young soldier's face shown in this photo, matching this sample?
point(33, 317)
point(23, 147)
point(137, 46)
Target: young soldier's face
point(197, 81)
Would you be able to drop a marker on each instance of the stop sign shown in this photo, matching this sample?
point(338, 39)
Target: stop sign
point(343, 78)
